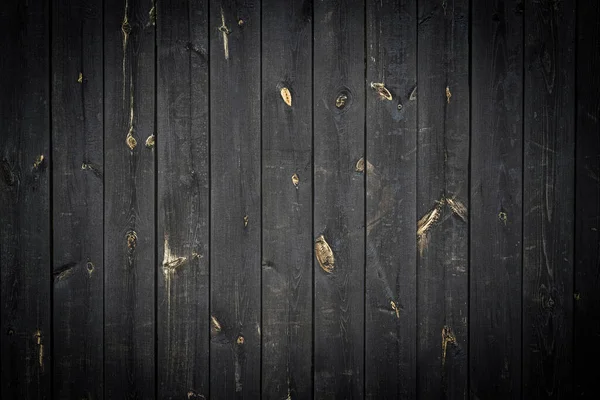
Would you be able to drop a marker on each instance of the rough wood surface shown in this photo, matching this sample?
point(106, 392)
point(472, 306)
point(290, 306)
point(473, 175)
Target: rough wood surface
point(443, 153)
point(25, 232)
point(587, 202)
point(129, 204)
point(287, 199)
point(496, 199)
point(78, 202)
point(391, 172)
point(339, 197)
point(183, 199)
point(235, 252)
point(548, 199)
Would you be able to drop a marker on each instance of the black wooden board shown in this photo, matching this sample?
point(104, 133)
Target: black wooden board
point(496, 199)
point(443, 188)
point(339, 198)
point(548, 190)
point(287, 200)
point(183, 199)
point(586, 346)
point(78, 202)
point(391, 182)
point(25, 232)
point(235, 228)
point(129, 204)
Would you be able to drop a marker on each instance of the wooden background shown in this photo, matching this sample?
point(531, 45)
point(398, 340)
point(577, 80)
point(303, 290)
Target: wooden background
point(160, 202)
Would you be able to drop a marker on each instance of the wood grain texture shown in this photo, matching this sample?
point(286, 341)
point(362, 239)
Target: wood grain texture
point(78, 202)
point(235, 277)
point(129, 235)
point(339, 197)
point(183, 199)
point(548, 199)
point(287, 203)
point(443, 149)
point(391, 172)
point(496, 199)
point(587, 202)
point(25, 256)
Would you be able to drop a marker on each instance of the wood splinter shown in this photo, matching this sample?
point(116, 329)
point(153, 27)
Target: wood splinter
point(324, 255)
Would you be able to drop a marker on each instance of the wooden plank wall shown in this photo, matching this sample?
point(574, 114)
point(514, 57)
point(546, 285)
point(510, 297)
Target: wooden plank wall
point(304, 199)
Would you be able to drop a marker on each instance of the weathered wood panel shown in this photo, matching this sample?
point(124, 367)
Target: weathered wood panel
point(183, 199)
point(235, 250)
point(287, 200)
point(496, 199)
point(339, 198)
point(391, 173)
point(548, 199)
point(443, 198)
point(587, 202)
point(25, 233)
point(78, 198)
point(129, 206)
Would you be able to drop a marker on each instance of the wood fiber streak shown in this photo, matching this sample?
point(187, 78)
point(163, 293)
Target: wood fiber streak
point(183, 199)
point(78, 202)
point(339, 197)
point(391, 174)
point(287, 201)
point(496, 199)
point(548, 199)
point(235, 278)
point(443, 98)
point(129, 204)
point(25, 232)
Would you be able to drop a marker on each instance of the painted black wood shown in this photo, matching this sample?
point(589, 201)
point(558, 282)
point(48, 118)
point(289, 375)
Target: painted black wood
point(183, 199)
point(391, 172)
point(78, 202)
point(339, 198)
point(496, 199)
point(235, 250)
point(586, 346)
point(25, 250)
point(129, 205)
point(548, 199)
point(287, 200)
point(443, 181)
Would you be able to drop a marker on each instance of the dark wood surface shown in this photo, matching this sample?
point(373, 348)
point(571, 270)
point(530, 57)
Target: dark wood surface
point(25, 197)
point(391, 174)
point(78, 208)
point(496, 199)
point(443, 184)
point(549, 172)
point(130, 244)
point(339, 198)
point(287, 242)
point(235, 236)
point(586, 296)
point(219, 199)
point(183, 199)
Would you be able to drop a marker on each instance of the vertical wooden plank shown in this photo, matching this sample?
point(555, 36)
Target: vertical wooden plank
point(130, 245)
point(24, 194)
point(287, 199)
point(587, 197)
point(496, 199)
point(77, 149)
point(548, 196)
point(182, 146)
point(235, 252)
point(443, 198)
point(339, 198)
point(391, 172)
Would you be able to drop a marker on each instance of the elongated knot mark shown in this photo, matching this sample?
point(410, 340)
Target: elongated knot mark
point(448, 94)
point(413, 94)
point(39, 161)
point(382, 91)
point(246, 220)
point(447, 338)
point(295, 180)
point(131, 240)
point(360, 165)
point(395, 308)
point(38, 340)
point(80, 78)
point(324, 255)
point(150, 141)
point(223, 29)
point(286, 95)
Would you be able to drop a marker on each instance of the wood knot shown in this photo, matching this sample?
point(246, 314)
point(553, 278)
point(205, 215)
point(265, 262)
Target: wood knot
point(131, 239)
point(295, 180)
point(150, 141)
point(381, 90)
point(324, 255)
point(39, 162)
point(240, 340)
